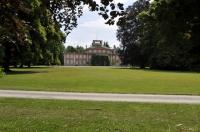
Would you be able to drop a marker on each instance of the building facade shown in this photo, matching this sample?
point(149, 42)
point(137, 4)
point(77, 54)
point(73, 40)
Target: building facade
point(84, 59)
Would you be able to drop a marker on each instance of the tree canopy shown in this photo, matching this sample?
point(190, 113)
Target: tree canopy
point(77, 49)
point(30, 30)
point(163, 34)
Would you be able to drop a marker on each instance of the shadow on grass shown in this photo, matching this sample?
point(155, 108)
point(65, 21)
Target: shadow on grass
point(156, 70)
point(129, 68)
point(33, 67)
point(24, 72)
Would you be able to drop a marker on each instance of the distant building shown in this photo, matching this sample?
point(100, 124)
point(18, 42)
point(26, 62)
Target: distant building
point(84, 59)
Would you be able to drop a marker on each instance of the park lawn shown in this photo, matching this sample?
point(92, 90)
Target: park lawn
point(102, 79)
point(58, 115)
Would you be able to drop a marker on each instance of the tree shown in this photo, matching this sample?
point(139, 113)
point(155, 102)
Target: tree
point(32, 42)
point(163, 35)
point(174, 22)
point(25, 26)
point(70, 49)
point(13, 32)
point(130, 33)
point(80, 49)
point(77, 49)
point(105, 44)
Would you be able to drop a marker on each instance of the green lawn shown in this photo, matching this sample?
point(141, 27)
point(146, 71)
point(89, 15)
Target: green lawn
point(50, 115)
point(98, 79)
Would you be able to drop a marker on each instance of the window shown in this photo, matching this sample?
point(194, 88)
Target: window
point(71, 62)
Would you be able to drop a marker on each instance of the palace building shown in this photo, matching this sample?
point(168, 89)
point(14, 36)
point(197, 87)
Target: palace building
point(85, 58)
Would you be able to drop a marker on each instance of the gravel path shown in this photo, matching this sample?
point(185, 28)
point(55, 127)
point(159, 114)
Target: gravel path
point(145, 98)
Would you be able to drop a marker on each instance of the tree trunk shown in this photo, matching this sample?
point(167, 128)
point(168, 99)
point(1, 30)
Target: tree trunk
point(29, 64)
point(6, 67)
point(15, 65)
point(142, 66)
point(6, 59)
point(21, 65)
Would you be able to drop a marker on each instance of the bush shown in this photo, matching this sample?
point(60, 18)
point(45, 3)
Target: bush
point(98, 60)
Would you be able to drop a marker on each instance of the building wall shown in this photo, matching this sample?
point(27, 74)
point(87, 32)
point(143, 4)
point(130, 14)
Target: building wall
point(72, 59)
point(84, 59)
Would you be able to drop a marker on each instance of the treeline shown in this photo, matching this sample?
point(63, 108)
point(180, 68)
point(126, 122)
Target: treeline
point(28, 35)
point(162, 34)
point(30, 30)
point(72, 49)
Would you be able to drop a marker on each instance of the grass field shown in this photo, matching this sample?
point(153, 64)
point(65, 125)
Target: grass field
point(50, 115)
point(98, 79)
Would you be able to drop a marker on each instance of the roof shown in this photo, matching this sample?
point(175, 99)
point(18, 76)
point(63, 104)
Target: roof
point(94, 48)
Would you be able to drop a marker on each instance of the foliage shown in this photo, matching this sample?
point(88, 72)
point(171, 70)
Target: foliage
point(80, 49)
point(105, 44)
point(30, 31)
point(67, 12)
point(70, 49)
point(24, 33)
point(129, 33)
point(161, 36)
point(98, 60)
point(77, 49)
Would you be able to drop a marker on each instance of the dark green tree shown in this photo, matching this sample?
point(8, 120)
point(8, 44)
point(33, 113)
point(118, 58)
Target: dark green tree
point(25, 26)
point(105, 44)
point(77, 49)
point(70, 49)
point(80, 49)
point(174, 22)
point(163, 36)
point(130, 32)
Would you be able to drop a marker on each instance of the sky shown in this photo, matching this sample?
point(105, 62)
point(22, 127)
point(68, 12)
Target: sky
point(91, 26)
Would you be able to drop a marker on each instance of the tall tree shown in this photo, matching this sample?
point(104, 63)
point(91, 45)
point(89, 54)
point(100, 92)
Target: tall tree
point(130, 33)
point(165, 35)
point(105, 44)
point(25, 26)
point(77, 49)
point(174, 21)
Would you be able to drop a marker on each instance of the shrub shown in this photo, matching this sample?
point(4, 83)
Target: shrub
point(98, 60)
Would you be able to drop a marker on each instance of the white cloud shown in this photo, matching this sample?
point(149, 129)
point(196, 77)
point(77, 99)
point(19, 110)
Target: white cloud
point(92, 26)
point(98, 24)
